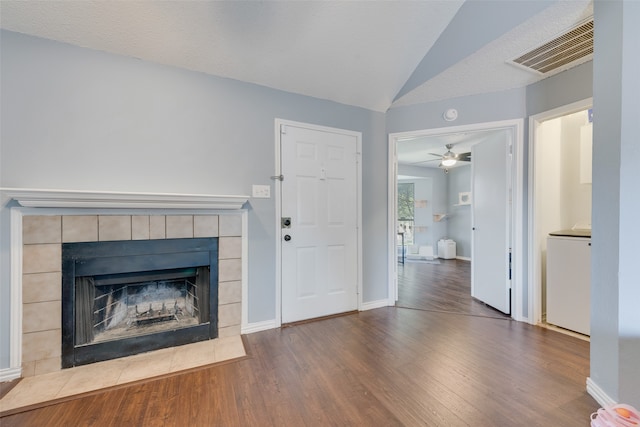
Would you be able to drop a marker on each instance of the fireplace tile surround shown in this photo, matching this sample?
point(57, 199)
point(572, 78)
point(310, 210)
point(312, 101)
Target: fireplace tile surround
point(42, 240)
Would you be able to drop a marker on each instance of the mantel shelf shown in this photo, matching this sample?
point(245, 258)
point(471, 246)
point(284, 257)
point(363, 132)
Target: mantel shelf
point(39, 198)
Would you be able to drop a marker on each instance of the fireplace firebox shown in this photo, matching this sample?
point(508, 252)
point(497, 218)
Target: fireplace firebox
point(126, 297)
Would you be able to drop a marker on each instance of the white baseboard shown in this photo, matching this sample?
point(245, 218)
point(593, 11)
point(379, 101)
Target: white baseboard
point(374, 304)
point(464, 258)
point(10, 374)
point(259, 326)
point(271, 324)
point(598, 394)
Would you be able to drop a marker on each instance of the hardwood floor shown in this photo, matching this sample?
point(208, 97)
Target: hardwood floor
point(440, 287)
point(385, 367)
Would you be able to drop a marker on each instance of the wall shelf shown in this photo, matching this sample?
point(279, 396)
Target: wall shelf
point(464, 198)
point(439, 217)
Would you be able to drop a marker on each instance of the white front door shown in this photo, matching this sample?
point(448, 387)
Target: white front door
point(319, 247)
point(491, 222)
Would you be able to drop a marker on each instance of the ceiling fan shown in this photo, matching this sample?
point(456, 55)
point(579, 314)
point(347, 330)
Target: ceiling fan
point(450, 158)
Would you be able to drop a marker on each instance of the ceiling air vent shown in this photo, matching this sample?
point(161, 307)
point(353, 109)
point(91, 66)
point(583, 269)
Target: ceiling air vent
point(567, 50)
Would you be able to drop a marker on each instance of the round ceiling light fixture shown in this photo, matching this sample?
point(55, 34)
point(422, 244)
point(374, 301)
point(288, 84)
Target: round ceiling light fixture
point(449, 158)
point(450, 115)
point(449, 161)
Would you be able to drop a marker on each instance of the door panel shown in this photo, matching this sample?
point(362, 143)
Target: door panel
point(306, 262)
point(337, 277)
point(307, 207)
point(491, 222)
point(319, 193)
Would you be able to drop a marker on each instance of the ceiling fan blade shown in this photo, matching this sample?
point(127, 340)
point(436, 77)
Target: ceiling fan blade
point(464, 157)
point(425, 161)
point(434, 154)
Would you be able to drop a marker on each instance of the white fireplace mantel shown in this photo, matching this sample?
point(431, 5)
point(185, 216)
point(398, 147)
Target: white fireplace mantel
point(99, 200)
point(39, 198)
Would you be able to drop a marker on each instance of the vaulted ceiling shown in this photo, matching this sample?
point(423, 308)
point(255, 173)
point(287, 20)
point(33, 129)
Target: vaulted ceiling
point(370, 54)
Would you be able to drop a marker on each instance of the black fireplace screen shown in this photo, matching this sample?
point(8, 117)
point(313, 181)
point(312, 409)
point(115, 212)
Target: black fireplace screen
point(122, 298)
point(109, 308)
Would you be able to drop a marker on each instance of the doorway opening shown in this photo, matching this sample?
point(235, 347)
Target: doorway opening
point(560, 211)
point(418, 156)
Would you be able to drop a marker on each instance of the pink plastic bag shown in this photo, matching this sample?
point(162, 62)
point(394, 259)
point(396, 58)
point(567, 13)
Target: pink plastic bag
point(616, 416)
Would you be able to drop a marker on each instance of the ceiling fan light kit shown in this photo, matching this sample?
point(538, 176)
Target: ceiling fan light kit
point(449, 161)
point(449, 158)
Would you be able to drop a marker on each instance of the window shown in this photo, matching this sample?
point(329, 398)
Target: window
point(406, 203)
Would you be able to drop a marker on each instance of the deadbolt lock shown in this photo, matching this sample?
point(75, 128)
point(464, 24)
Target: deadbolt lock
point(286, 222)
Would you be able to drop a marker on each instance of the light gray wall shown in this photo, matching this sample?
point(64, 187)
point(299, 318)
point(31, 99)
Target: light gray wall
point(487, 107)
point(605, 214)
point(628, 288)
point(74, 118)
point(457, 224)
point(459, 220)
point(562, 89)
point(615, 318)
point(422, 213)
point(437, 201)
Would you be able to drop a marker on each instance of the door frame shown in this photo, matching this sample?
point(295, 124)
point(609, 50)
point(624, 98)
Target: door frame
point(534, 259)
point(278, 201)
point(516, 126)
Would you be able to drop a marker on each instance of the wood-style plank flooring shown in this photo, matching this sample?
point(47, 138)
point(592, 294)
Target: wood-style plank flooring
point(440, 287)
point(385, 367)
point(439, 358)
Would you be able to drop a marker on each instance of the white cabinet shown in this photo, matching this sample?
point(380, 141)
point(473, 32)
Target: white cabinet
point(569, 282)
point(446, 249)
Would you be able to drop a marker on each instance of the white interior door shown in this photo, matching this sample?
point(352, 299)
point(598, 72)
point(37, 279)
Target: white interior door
point(319, 247)
point(491, 222)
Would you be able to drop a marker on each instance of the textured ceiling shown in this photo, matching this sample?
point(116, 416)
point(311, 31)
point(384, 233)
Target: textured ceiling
point(486, 70)
point(356, 53)
point(359, 53)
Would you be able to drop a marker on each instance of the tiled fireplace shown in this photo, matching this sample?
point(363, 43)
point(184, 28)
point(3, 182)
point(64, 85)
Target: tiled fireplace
point(43, 238)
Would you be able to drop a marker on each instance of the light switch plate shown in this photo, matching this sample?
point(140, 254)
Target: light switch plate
point(261, 191)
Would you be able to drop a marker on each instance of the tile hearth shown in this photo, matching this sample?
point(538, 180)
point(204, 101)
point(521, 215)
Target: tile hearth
point(96, 376)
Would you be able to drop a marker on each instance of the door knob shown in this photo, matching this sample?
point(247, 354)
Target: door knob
point(287, 237)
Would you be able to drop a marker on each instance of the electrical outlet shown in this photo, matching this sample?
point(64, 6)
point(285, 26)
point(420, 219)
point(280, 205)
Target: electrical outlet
point(261, 191)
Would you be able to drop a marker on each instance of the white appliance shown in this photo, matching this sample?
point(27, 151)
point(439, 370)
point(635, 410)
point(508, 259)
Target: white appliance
point(569, 281)
point(446, 249)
